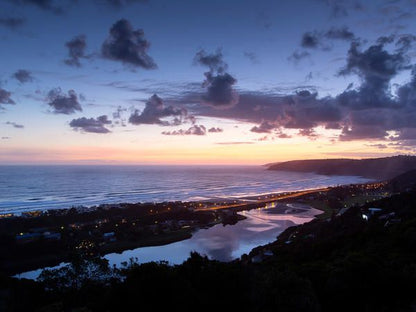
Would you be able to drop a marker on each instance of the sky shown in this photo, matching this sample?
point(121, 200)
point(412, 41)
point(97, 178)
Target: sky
point(206, 82)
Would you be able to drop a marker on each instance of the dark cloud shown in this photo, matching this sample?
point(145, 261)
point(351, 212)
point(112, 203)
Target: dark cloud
point(310, 40)
point(92, 125)
point(5, 138)
point(213, 61)
point(23, 76)
point(310, 133)
point(76, 50)
point(15, 125)
point(375, 62)
point(62, 103)
point(405, 42)
point(376, 67)
point(307, 111)
point(220, 92)
point(128, 46)
point(358, 132)
point(215, 130)
point(5, 97)
point(12, 22)
point(264, 127)
point(155, 110)
point(340, 34)
point(371, 110)
point(194, 130)
point(315, 39)
point(218, 83)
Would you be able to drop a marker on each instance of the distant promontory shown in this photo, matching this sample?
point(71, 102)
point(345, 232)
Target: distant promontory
point(374, 168)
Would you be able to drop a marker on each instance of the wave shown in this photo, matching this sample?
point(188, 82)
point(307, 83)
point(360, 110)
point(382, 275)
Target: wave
point(26, 188)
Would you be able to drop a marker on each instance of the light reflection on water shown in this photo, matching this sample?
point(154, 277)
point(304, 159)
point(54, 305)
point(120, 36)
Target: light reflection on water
point(224, 243)
point(229, 242)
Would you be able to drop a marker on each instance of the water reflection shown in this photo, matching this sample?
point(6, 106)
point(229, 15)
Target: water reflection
point(223, 243)
point(229, 242)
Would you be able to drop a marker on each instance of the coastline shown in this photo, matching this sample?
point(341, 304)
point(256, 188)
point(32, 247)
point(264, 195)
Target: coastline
point(130, 226)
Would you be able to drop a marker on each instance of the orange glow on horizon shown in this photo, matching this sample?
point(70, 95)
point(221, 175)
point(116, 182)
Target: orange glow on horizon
point(258, 153)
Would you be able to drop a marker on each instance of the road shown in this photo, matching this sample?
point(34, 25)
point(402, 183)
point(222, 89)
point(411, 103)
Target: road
point(263, 201)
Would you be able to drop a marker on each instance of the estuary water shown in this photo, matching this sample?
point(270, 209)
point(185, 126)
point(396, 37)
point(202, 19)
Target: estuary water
point(26, 188)
point(223, 243)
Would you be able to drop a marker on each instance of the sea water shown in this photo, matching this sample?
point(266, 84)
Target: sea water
point(26, 188)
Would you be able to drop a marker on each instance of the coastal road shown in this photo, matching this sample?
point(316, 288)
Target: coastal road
point(263, 201)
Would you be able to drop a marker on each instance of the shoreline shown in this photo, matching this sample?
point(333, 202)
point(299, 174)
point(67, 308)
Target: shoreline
point(237, 200)
point(109, 228)
point(38, 203)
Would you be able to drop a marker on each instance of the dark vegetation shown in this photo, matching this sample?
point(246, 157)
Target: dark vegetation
point(343, 263)
point(54, 236)
point(376, 168)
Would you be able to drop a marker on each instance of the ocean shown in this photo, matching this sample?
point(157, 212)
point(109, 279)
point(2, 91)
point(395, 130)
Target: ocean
point(27, 188)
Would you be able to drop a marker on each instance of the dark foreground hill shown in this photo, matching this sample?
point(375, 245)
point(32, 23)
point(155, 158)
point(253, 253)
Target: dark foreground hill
point(403, 182)
point(375, 168)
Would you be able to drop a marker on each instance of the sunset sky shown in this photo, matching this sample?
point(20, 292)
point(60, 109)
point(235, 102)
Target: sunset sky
point(205, 82)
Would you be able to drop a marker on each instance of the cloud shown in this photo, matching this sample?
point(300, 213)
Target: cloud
point(297, 56)
point(283, 136)
point(47, 5)
point(405, 42)
point(118, 117)
point(315, 39)
point(5, 97)
point(92, 125)
point(5, 138)
point(122, 3)
point(252, 57)
point(218, 83)
point(341, 8)
point(63, 104)
point(379, 146)
point(362, 132)
point(370, 110)
point(23, 76)
point(376, 67)
point(264, 127)
point(76, 50)
point(340, 34)
point(310, 133)
point(214, 60)
point(220, 92)
point(15, 125)
point(310, 40)
point(128, 46)
point(155, 110)
point(215, 130)
point(194, 130)
point(12, 22)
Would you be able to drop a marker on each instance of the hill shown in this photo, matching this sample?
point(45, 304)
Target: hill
point(375, 168)
point(403, 182)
